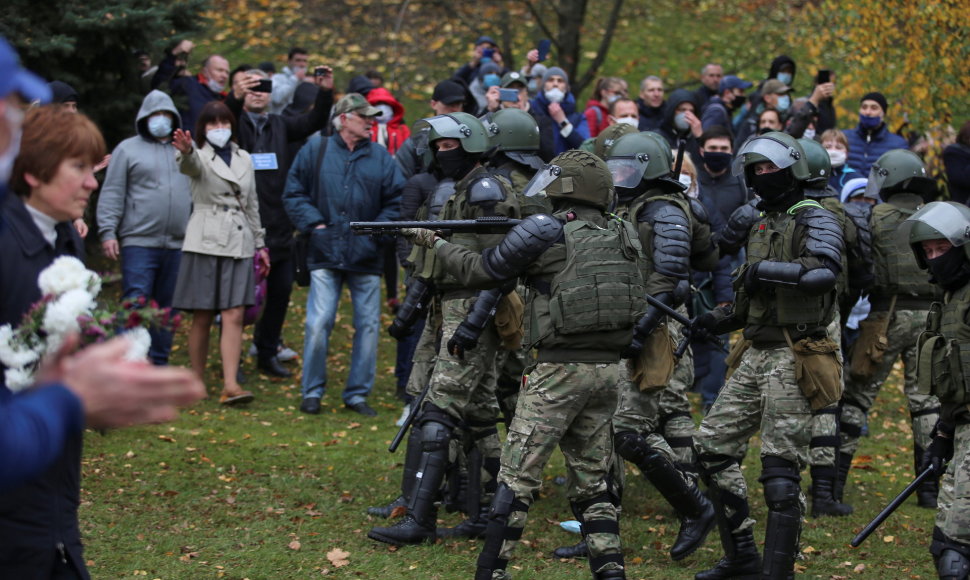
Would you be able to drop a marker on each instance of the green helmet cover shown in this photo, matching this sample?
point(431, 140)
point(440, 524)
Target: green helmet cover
point(896, 171)
point(819, 162)
point(938, 220)
point(779, 148)
point(574, 176)
point(603, 143)
point(462, 126)
point(638, 157)
point(513, 130)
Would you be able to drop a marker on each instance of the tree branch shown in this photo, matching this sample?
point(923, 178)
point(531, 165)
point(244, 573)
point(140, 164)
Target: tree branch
point(603, 48)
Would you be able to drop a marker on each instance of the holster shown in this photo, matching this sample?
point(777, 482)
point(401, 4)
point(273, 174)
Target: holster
point(818, 369)
point(733, 359)
point(651, 371)
point(870, 347)
point(509, 315)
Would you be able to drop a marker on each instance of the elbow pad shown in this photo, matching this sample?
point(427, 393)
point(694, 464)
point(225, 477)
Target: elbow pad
point(521, 246)
point(817, 282)
point(414, 307)
point(671, 239)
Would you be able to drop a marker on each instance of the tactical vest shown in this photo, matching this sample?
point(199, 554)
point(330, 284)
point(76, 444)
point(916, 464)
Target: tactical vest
point(896, 269)
point(943, 350)
point(773, 238)
point(434, 200)
point(597, 288)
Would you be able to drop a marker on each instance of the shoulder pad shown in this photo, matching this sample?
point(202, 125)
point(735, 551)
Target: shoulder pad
point(521, 246)
point(824, 234)
point(671, 238)
point(699, 211)
point(485, 190)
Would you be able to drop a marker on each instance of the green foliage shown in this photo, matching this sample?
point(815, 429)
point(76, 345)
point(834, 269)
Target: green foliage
point(90, 45)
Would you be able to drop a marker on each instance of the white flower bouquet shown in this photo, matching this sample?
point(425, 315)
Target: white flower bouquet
point(68, 305)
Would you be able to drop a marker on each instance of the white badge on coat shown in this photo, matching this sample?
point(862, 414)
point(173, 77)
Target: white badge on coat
point(262, 161)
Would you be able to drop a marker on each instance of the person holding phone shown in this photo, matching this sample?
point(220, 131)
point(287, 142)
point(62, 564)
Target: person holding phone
point(555, 101)
point(286, 81)
point(485, 51)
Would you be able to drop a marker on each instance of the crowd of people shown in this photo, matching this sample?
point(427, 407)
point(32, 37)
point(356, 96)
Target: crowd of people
point(646, 231)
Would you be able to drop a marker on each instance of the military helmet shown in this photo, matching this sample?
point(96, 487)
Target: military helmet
point(819, 163)
point(938, 220)
point(896, 171)
point(779, 148)
point(603, 143)
point(641, 157)
point(513, 130)
point(462, 126)
point(577, 176)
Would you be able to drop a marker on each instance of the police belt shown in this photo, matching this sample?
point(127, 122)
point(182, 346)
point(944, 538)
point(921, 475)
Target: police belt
point(884, 303)
point(575, 355)
point(458, 294)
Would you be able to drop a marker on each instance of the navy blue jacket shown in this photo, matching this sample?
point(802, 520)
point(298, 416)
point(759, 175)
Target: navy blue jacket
point(865, 147)
point(188, 92)
point(38, 520)
point(539, 107)
point(360, 185)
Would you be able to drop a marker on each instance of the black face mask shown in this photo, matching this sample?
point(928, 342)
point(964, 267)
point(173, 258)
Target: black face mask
point(772, 186)
point(717, 161)
point(455, 163)
point(951, 270)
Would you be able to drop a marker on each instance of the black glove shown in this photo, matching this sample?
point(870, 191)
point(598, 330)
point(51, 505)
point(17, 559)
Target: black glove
point(940, 450)
point(702, 327)
point(635, 347)
point(399, 330)
point(465, 338)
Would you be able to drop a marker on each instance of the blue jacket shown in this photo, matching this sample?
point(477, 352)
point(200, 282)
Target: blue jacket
point(539, 107)
point(189, 92)
point(865, 148)
point(360, 185)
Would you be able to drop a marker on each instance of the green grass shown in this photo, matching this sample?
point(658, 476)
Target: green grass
point(267, 492)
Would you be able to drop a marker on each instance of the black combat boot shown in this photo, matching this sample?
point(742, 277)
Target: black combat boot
point(740, 562)
point(420, 523)
point(843, 467)
point(473, 527)
point(579, 550)
point(412, 460)
point(823, 497)
point(695, 511)
point(498, 531)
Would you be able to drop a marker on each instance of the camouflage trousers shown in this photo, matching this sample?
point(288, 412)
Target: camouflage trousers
point(761, 394)
point(859, 396)
point(824, 445)
point(569, 405)
point(676, 423)
point(953, 515)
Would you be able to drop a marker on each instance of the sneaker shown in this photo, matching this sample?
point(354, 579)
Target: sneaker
point(363, 408)
point(285, 353)
point(310, 406)
point(253, 351)
point(404, 415)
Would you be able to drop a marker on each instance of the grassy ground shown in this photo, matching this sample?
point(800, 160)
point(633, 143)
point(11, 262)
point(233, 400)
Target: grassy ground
point(267, 492)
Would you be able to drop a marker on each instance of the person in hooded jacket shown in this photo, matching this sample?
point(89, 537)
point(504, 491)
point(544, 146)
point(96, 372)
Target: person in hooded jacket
point(681, 111)
point(390, 130)
point(143, 210)
point(556, 102)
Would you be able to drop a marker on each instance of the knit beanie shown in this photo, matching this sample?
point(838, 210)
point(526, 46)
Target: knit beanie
point(879, 98)
point(555, 71)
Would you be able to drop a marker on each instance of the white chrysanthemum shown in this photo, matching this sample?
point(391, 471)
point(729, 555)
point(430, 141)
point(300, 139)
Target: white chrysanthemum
point(68, 273)
point(60, 316)
point(12, 353)
point(139, 341)
point(18, 379)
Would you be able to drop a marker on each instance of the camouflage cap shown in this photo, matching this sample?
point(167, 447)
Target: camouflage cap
point(355, 103)
point(512, 78)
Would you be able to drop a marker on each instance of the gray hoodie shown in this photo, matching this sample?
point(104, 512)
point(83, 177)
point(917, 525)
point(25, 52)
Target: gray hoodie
point(145, 200)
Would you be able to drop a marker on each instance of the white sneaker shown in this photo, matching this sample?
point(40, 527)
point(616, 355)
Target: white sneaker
point(404, 415)
point(285, 353)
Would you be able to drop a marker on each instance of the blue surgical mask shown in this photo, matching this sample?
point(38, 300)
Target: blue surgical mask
point(160, 126)
point(784, 102)
point(491, 80)
point(785, 78)
point(869, 123)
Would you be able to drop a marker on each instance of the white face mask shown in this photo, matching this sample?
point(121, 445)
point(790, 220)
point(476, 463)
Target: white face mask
point(689, 182)
point(809, 133)
point(386, 113)
point(160, 126)
point(214, 86)
point(631, 121)
point(13, 117)
point(218, 137)
point(555, 95)
point(837, 156)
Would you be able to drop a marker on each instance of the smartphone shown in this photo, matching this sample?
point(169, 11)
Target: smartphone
point(264, 86)
point(824, 76)
point(321, 71)
point(544, 45)
point(509, 95)
point(487, 53)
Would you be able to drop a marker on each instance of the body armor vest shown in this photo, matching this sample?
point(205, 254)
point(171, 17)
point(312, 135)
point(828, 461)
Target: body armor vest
point(944, 350)
point(896, 268)
point(594, 295)
point(773, 238)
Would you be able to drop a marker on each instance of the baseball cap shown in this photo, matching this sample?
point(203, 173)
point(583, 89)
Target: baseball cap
point(448, 92)
point(355, 103)
point(731, 82)
point(512, 78)
point(775, 87)
point(488, 39)
point(16, 79)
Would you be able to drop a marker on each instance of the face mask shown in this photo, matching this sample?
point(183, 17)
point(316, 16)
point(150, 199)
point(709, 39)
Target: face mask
point(218, 137)
point(772, 186)
point(386, 113)
point(809, 133)
point(491, 80)
point(160, 126)
point(688, 182)
point(764, 130)
point(214, 86)
point(13, 117)
point(455, 163)
point(631, 121)
point(837, 156)
point(555, 95)
point(869, 123)
point(717, 161)
point(532, 87)
point(612, 99)
point(785, 78)
point(681, 124)
point(951, 270)
point(784, 101)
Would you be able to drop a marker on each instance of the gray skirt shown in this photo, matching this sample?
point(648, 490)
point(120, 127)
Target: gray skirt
point(214, 282)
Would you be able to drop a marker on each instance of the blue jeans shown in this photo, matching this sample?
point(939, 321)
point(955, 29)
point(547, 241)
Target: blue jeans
point(151, 272)
point(321, 311)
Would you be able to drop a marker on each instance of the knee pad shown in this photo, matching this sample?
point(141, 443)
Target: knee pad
point(780, 479)
point(631, 446)
point(435, 436)
point(504, 503)
point(431, 412)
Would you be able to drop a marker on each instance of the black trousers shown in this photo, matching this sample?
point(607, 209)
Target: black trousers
point(279, 285)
